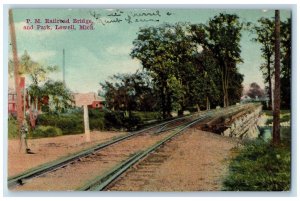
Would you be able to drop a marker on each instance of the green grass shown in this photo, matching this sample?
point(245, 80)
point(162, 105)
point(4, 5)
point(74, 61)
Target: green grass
point(260, 166)
point(282, 112)
point(285, 115)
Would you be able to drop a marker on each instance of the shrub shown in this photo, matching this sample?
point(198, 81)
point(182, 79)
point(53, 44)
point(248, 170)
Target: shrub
point(95, 113)
point(96, 124)
point(260, 167)
point(46, 131)
point(117, 120)
point(113, 119)
point(13, 130)
point(96, 119)
point(132, 122)
point(68, 123)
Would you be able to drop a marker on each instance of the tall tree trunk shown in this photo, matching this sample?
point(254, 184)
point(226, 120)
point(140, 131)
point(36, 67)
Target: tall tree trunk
point(225, 84)
point(180, 112)
point(163, 101)
point(276, 109)
point(182, 108)
point(270, 83)
point(223, 88)
point(198, 107)
point(207, 103)
point(168, 102)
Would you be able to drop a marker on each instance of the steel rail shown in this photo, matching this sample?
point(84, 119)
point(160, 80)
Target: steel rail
point(52, 166)
point(103, 181)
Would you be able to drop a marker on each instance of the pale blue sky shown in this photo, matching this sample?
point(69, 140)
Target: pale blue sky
point(93, 56)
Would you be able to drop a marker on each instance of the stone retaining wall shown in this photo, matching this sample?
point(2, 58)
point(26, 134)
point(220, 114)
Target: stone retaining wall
point(245, 126)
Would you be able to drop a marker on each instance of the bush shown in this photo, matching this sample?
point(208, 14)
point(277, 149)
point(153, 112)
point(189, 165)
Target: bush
point(46, 131)
point(260, 167)
point(13, 130)
point(113, 119)
point(132, 122)
point(95, 114)
point(96, 118)
point(96, 124)
point(69, 123)
point(117, 120)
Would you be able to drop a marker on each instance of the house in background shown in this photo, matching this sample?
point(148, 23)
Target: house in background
point(92, 98)
point(246, 98)
point(12, 99)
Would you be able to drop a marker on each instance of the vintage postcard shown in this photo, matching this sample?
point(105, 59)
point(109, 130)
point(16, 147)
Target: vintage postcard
point(153, 99)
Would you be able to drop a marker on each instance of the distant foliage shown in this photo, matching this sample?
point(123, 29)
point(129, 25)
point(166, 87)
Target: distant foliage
point(260, 167)
point(255, 90)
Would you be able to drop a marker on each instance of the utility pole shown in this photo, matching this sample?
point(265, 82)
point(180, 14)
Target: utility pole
point(86, 123)
point(64, 72)
point(18, 91)
point(276, 109)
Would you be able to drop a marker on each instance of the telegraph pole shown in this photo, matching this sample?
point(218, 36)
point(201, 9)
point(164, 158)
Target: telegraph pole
point(276, 108)
point(64, 72)
point(16, 67)
point(18, 90)
point(86, 123)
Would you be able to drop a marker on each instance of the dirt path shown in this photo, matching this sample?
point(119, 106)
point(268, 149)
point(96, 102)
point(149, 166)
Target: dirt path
point(194, 161)
point(50, 149)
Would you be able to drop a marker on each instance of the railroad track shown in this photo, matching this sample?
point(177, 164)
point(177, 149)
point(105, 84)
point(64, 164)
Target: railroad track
point(102, 182)
point(49, 167)
point(109, 159)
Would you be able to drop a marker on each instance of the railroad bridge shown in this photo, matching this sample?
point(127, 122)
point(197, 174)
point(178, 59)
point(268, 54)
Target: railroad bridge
point(138, 156)
point(239, 123)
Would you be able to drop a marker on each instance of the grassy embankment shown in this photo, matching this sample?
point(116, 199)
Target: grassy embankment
point(260, 166)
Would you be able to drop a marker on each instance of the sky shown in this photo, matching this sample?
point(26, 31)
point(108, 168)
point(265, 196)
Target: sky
point(92, 56)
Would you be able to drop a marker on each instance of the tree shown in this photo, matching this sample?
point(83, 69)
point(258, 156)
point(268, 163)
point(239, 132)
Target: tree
point(286, 52)
point(60, 96)
point(165, 52)
point(265, 36)
point(255, 91)
point(222, 37)
point(184, 51)
point(205, 86)
point(128, 92)
point(276, 111)
point(42, 88)
point(235, 87)
point(37, 74)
